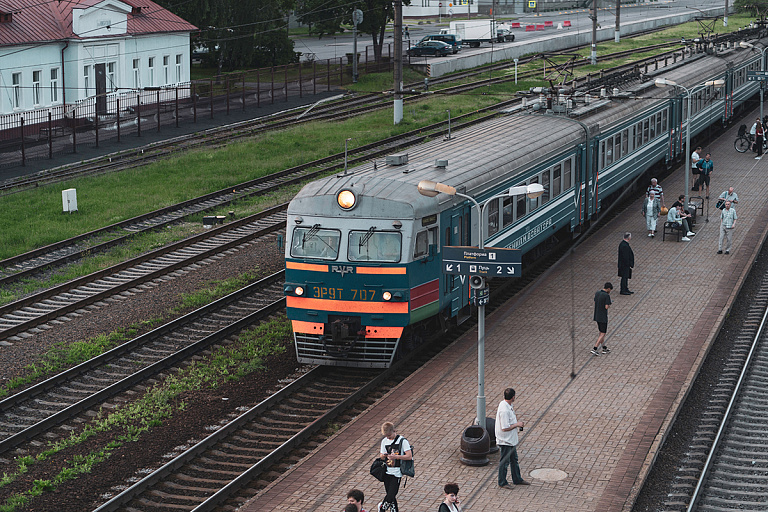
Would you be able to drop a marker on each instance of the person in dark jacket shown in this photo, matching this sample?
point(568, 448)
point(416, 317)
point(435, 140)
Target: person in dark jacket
point(626, 263)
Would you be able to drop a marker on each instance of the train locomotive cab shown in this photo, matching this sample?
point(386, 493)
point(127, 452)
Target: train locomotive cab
point(348, 286)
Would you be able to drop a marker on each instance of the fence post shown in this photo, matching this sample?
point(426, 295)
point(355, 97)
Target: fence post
point(74, 130)
point(300, 92)
point(23, 146)
point(314, 77)
point(227, 80)
point(138, 114)
point(194, 101)
point(243, 75)
point(286, 82)
point(177, 106)
point(341, 71)
point(50, 135)
point(118, 119)
point(210, 94)
point(258, 88)
point(158, 111)
point(366, 59)
point(272, 90)
point(96, 125)
point(328, 78)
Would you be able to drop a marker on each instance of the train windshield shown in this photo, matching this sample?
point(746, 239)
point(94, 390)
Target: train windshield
point(374, 245)
point(315, 243)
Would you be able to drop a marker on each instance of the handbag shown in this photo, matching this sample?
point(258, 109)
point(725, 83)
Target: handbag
point(378, 469)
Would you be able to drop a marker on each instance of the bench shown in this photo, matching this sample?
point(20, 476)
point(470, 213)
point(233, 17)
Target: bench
point(56, 131)
point(697, 203)
point(673, 228)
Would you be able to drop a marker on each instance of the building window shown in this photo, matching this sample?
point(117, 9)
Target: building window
point(86, 79)
point(135, 73)
point(151, 71)
point(16, 81)
point(166, 69)
point(111, 78)
point(36, 96)
point(178, 68)
point(54, 85)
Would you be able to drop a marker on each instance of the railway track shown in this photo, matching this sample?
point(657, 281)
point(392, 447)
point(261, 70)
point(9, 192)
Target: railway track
point(725, 467)
point(36, 410)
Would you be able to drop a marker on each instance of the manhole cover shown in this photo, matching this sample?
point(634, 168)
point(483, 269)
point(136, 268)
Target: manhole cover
point(548, 475)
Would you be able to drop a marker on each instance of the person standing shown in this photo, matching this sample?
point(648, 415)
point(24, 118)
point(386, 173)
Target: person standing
point(759, 135)
point(655, 187)
point(451, 501)
point(506, 439)
point(695, 157)
point(727, 223)
point(730, 195)
point(651, 210)
point(707, 165)
point(602, 303)
point(626, 264)
point(394, 448)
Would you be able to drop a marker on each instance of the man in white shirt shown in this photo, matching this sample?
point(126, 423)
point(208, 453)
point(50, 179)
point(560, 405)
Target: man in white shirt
point(506, 438)
point(695, 157)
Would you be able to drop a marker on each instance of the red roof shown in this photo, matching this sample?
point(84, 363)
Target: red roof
point(36, 22)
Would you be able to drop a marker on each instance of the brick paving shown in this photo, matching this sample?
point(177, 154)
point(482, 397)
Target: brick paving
point(603, 427)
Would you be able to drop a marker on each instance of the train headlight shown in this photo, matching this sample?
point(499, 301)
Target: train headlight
point(346, 199)
point(299, 291)
point(386, 296)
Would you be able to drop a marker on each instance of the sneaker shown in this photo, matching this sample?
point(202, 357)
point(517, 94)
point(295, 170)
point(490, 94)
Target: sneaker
point(758, 158)
point(650, 235)
point(685, 239)
point(606, 349)
point(690, 233)
point(719, 252)
point(595, 352)
point(727, 252)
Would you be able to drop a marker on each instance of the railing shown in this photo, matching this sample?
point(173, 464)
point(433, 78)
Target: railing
point(116, 116)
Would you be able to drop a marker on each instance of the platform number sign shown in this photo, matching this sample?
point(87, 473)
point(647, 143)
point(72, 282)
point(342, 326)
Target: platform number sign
point(487, 262)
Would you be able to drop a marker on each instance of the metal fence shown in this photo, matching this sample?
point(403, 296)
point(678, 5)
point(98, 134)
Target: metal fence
point(117, 116)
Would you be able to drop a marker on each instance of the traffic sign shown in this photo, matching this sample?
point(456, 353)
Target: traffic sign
point(754, 76)
point(487, 262)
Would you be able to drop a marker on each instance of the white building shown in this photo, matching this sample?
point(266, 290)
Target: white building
point(54, 53)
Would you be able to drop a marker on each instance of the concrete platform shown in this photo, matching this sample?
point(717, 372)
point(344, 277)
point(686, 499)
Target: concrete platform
point(601, 428)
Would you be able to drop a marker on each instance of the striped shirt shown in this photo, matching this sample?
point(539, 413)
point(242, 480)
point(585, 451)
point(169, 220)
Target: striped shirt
point(727, 217)
point(656, 189)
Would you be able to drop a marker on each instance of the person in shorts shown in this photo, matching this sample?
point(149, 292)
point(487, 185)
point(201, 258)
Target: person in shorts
point(602, 303)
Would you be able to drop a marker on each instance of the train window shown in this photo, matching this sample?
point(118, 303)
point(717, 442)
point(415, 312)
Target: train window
point(493, 217)
point(534, 203)
point(652, 127)
point(422, 244)
point(625, 142)
point(509, 216)
point(664, 125)
point(374, 246)
point(310, 242)
point(645, 131)
point(521, 203)
point(545, 182)
point(556, 179)
point(567, 174)
point(617, 147)
point(658, 124)
point(608, 150)
point(639, 135)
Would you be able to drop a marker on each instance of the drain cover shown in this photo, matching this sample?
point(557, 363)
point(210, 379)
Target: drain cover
point(548, 474)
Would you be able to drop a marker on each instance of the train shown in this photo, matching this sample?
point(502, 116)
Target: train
point(363, 276)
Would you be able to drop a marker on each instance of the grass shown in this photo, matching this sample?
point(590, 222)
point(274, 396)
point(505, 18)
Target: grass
point(130, 422)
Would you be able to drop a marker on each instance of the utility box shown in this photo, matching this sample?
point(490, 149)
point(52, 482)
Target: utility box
point(69, 200)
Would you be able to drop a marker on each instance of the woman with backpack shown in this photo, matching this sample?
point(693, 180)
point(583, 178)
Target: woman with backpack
point(394, 449)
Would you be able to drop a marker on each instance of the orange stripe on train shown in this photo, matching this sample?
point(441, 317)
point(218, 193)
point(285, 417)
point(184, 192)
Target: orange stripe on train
point(381, 270)
point(346, 306)
point(294, 265)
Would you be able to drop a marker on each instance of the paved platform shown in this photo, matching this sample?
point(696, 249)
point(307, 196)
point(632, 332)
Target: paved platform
point(603, 427)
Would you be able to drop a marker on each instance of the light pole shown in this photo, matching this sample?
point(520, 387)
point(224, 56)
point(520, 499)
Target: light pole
point(663, 82)
point(762, 68)
point(431, 189)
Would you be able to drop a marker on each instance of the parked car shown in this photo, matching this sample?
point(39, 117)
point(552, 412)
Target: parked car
point(437, 48)
point(451, 39)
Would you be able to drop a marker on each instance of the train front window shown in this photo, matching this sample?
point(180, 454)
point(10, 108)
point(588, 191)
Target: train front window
point(374, 245)
point(313, 242)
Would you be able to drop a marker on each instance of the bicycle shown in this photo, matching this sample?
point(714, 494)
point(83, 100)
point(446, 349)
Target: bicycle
point(745, 140)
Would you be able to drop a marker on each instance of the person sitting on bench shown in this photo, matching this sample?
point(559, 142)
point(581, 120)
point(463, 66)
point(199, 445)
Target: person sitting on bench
point(677, 216)
point(679, 202)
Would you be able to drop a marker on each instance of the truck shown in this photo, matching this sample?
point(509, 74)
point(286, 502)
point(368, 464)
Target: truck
point(475, 32)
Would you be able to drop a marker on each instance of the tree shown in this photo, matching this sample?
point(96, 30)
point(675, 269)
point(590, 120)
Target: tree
point(322, 16)
point(757, 8)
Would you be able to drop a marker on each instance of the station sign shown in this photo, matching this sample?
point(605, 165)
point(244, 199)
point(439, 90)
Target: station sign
point(754, 76)
point(487, 262)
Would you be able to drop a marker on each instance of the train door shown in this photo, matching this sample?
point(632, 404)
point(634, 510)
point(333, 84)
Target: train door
point(459, 285)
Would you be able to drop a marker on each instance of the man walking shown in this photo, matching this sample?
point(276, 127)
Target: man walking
point(506, 438)
point(626, 263)
point(707, 165)
point(727, 223)
point(730, 195)
point(602, 303)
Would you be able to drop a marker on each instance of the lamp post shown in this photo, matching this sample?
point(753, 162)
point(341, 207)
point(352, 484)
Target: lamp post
point(431, 189)
point(663, 82)
point(762, 68)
